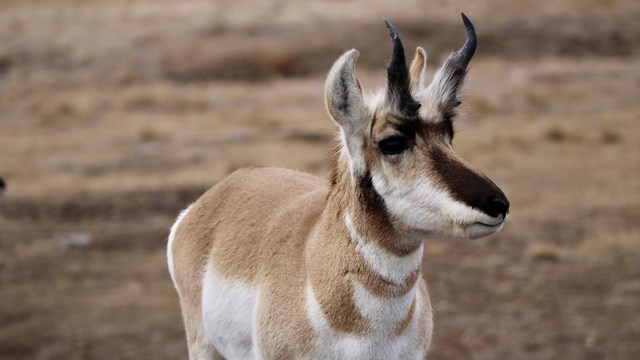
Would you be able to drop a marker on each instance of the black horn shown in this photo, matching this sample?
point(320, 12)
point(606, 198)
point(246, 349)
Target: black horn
point(455, 68)
point(462, 57)
point(398, 82)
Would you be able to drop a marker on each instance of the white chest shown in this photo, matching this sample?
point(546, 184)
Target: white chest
point(229, 313)
point(382, 342)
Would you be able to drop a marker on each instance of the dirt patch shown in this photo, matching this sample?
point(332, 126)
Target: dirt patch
point(108, 129)
point(221, 50)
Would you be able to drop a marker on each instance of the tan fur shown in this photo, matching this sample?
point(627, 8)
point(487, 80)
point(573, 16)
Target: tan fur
point(249, 203)
point(253, 247)
point(417, 69)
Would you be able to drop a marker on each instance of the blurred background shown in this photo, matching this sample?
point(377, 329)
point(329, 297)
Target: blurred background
point(115, 115)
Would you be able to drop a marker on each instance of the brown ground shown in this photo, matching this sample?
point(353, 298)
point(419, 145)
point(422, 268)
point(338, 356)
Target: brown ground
point(114, 115)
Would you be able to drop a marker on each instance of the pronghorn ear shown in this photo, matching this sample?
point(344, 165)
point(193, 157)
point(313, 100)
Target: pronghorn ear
point(346, 106)
point(448, 80)
point(343, 94)
point(418, 70)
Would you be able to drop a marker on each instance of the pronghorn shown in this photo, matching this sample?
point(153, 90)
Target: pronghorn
point(277, 264)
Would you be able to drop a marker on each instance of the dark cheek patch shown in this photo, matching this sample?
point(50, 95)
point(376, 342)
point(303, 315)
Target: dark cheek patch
point(464, 184)
point(369, 197)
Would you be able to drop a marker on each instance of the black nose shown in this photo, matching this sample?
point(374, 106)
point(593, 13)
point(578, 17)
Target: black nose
point(498, 206)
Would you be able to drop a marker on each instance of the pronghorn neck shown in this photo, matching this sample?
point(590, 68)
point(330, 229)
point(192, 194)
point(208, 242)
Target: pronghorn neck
point(362, 274)
point(363, 211)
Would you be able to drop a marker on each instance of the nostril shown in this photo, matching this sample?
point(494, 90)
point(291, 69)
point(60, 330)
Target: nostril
point(500, 206)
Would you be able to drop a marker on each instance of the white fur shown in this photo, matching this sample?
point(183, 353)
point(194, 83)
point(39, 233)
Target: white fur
point(383, 314)
point(433, 96)
point(380, 343)
point(395, 269)
point(352, 149)
point(229, 315)
point(425, 207)
point(374, 100)
point(172, 235)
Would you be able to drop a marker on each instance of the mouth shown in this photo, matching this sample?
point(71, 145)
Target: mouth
point(489, 225)
point(497, 223)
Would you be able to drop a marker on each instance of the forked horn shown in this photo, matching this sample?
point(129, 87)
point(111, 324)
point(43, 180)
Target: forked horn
point(398, 82)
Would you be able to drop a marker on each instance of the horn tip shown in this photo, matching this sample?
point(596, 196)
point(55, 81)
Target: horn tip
point(392, 30)
point(467, 23)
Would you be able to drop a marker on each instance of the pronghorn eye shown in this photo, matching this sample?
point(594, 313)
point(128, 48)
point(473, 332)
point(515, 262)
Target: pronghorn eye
point(393, 145)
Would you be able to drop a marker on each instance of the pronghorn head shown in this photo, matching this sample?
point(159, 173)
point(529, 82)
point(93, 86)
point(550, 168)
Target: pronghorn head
point(398, 145)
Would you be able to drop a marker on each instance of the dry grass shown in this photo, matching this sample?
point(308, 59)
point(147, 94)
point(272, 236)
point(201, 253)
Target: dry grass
point(115, 115)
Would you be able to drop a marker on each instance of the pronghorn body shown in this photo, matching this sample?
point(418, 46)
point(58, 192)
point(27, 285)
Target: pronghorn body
point(277, 264)
point(283, 275)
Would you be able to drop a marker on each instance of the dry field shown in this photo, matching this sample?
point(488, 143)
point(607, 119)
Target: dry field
point(114, 115)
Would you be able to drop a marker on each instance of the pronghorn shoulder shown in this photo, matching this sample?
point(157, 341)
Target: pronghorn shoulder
point(238, 222)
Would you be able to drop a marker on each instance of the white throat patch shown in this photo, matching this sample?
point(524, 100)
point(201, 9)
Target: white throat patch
point(380, 343)
point(395, 269)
